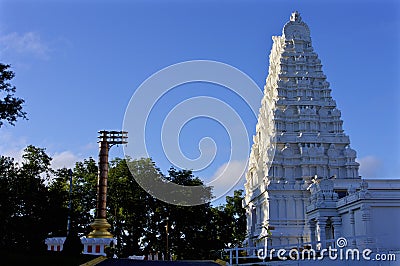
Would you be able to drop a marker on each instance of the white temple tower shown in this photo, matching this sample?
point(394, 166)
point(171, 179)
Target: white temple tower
point(310, 143)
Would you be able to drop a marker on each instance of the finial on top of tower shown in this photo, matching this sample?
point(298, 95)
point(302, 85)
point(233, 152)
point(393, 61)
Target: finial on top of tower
point(296, 28)
point(295, 16)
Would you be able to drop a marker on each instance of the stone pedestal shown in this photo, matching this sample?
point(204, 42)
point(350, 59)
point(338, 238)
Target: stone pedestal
point(100, 229)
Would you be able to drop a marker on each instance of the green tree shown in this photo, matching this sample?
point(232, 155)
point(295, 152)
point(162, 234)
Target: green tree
point(140, 221)
point(234, 222)
point(10, 106)
point(8, 174)
point(58, 191)
point(129, 205)
point(188, 233)
point(84, 196)
point(26, 209)
point(34, 206)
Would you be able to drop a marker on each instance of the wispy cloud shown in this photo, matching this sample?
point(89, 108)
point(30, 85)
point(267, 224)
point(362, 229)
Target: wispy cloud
point(65, 159)
point(370, 166)
point(29, 43)
point(228, 177)
point(11, 146)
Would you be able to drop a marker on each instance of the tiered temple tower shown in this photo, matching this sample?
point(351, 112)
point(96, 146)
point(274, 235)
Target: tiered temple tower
point(310, 142)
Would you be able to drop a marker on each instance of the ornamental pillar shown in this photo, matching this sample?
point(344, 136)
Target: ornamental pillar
point(337, 227)
point(367, 218)
point(321, 222)
point(353, 229)
point(312, 225)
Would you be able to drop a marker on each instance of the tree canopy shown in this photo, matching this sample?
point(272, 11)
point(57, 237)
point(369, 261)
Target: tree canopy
point(34, 202)
point(10, 105)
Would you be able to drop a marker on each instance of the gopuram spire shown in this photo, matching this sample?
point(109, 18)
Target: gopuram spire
point(310, 141)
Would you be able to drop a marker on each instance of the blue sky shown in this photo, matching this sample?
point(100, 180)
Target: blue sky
point(78, 63)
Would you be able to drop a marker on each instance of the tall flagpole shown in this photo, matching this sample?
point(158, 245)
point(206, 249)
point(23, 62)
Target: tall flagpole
point(106, 140)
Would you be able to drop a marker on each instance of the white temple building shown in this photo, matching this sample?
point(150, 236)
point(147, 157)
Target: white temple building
point(310, 193)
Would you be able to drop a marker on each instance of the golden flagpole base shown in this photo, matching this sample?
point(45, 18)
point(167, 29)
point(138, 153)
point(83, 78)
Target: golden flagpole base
point(100, 229)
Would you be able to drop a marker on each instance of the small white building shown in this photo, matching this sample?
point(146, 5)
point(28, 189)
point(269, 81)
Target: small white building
point(96, 246)
point(91, 246)
point(55, 243)
point(302, 185)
